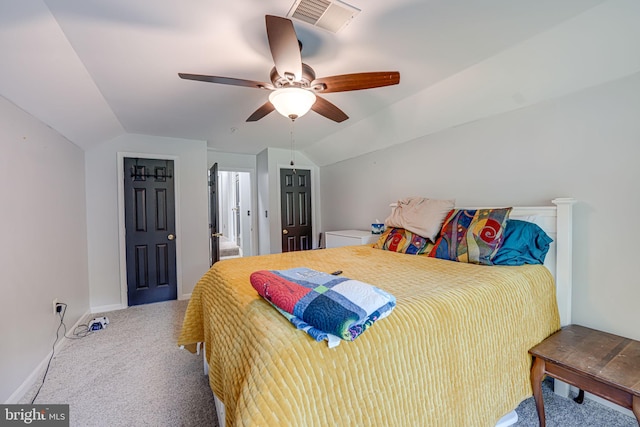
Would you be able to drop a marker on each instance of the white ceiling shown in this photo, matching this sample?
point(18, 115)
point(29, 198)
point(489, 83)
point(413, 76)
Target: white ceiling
point(95, 69)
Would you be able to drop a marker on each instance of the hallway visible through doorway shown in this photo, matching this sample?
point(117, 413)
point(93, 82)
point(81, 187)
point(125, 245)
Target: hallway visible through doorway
point(234, 214)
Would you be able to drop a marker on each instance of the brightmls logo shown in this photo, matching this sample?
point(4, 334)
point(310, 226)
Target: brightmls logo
point(36, 415)
point(27, 416)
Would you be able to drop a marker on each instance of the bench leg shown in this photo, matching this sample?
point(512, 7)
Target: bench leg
point(580, 397)
point(537, 375)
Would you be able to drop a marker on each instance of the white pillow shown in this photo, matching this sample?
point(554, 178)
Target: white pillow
point(420, 215)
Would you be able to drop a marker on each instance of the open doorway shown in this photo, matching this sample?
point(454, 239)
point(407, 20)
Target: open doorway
point(234, 214)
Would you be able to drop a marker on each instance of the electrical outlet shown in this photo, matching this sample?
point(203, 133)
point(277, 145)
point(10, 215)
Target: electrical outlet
point(55, 305)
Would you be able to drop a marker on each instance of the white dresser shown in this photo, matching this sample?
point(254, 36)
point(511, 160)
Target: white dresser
point(334, 239)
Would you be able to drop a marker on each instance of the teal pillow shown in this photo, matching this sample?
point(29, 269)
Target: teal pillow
point(524, 243)
point(472, 236)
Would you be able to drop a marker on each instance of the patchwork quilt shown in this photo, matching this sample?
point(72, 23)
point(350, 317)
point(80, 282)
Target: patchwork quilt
point(322, 304)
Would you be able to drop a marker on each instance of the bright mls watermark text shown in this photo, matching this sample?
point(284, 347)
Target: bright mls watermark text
point(34, 415)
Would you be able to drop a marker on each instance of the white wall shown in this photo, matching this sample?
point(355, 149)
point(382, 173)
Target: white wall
point(592, 48)
point(262, 176)
point(231, 161)
point(44, 250)
point(103, 209)
point(225, 219)
point(585, 145)
point(270, 161)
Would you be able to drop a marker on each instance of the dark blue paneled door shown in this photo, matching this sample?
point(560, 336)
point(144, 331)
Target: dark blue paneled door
point(295, 193)
point(150, 230)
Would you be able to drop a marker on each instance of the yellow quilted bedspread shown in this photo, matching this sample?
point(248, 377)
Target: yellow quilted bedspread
point(454, 352)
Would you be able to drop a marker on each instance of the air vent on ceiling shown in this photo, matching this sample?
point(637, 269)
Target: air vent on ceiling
point(329, 15)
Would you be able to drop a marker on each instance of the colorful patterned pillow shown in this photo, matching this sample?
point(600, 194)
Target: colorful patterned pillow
point(472, 236)
point(404, 241)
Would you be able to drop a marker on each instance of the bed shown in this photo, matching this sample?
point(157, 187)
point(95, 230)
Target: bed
point(454, 351)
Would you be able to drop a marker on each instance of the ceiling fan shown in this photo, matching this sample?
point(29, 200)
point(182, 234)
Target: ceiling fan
point(294, 84)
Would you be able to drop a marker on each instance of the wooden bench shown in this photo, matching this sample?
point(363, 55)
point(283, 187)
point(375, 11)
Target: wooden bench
point(603, 364)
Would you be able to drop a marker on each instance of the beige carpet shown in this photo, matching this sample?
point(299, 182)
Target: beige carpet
point(131, 374)
point(562, 412)
point(228, 248)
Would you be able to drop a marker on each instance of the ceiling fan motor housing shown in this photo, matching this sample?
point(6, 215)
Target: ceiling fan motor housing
point(308, 76)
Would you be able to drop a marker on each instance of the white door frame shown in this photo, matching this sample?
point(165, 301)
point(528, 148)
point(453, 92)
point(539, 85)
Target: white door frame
point(315, 204)
point(254, 202)
point(122, 238)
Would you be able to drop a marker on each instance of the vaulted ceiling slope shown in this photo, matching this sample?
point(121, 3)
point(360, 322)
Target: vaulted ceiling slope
point(96, 69)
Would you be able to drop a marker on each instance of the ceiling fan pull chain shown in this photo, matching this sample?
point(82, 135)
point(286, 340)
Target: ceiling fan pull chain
point(293, 144)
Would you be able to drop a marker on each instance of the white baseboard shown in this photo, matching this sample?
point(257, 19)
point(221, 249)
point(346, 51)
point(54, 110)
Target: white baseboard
point(105, 308)
point(114, 307)
point(37, 373)
point(510, 419)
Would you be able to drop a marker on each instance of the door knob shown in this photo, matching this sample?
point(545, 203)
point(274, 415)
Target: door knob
point(171, 236)
point(216, 235)
point(285, 231)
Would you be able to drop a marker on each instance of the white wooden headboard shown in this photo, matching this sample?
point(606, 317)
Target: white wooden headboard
point(556, 221)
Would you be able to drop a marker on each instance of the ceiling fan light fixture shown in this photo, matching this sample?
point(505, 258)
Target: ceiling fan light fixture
point(292, 102)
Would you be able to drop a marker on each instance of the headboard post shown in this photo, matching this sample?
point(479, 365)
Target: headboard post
point(564, 259)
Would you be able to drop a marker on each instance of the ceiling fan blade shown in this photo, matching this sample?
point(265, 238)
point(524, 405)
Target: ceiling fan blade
point(227, 81)
point(328, 110)
point(356, 81)
point(284, 46)
point(265, 109)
